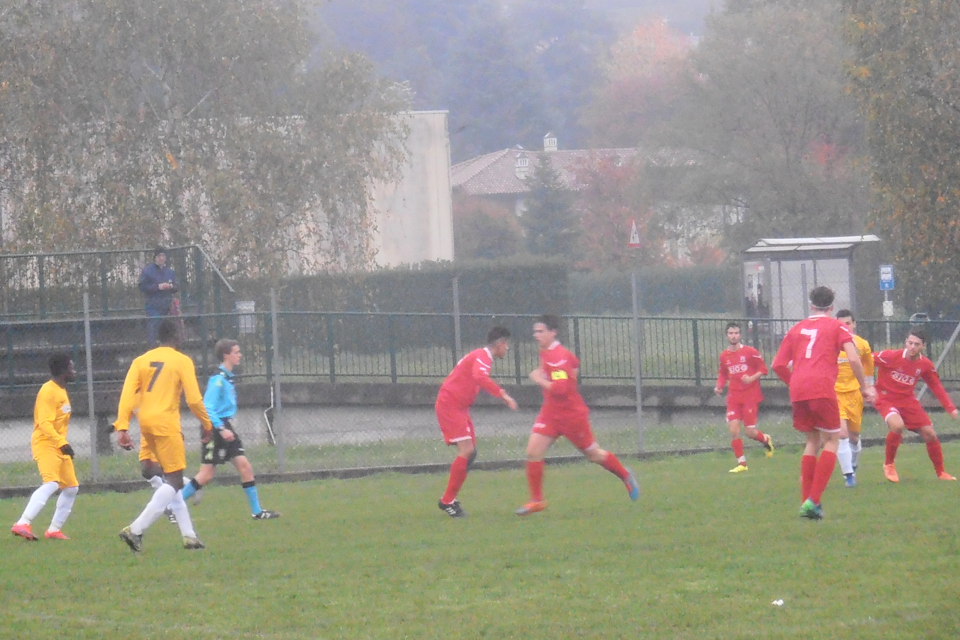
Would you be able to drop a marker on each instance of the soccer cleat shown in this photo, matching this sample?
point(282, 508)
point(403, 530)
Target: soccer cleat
point(23, 530)
point(169, 513)
point(633, 487)
point(531, 507)
point(454, 510)
point(810, 510)
point(740, 468)
point(943, 475)
point(266, 515)
point(890, 472)
point(850, 480)
point(768, 445)
point(55, 535)
point(134, 541)
point(192, 543)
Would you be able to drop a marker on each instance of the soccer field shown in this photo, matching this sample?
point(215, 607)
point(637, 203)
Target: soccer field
point(703, 554)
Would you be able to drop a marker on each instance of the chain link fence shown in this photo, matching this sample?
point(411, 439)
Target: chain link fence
point(357, 388)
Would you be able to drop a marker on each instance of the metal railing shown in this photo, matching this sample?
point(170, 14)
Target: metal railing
point(51, 285)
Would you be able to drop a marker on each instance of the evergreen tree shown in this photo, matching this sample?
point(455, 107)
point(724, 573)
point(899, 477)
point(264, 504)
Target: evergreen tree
point(550, 221)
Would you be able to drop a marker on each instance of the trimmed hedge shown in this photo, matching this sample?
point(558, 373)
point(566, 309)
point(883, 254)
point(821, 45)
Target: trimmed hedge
point(662, 290)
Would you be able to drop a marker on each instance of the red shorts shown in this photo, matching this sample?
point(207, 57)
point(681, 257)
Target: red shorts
point(576, 430)
point(746, 412)
point(816, 414)
point(912, 413)
point(455, 423)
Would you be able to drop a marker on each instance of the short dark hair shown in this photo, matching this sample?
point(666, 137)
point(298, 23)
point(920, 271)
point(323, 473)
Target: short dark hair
point(845, 313)
point(497, 333)
point(732, 325)
point(158, 251)
point(223, 347)
point(920, 333)
point(169, 332)
point(822, 297)
point(549, 320)
point(59, 363)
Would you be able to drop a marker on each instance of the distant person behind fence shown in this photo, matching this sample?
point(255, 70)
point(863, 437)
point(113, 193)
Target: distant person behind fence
point(158, 283)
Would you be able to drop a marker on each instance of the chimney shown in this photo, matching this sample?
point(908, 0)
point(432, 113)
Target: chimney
point(550, 142)
point(521, 165)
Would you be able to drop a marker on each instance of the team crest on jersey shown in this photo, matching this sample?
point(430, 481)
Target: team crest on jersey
point(743, 359)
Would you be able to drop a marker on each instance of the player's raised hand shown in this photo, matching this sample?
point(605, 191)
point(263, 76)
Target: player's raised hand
point(955, 414)
point(718, 391)
point(510, 401)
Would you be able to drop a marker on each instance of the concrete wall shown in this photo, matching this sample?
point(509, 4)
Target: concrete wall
point(415, 216)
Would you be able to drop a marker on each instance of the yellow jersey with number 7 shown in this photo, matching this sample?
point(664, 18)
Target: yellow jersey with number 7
point(154, 383)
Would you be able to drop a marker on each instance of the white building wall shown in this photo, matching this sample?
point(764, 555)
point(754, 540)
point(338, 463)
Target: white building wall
point(415, 215)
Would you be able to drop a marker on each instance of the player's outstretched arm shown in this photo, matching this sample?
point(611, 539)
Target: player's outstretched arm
point(932, 378)
point(869, 393)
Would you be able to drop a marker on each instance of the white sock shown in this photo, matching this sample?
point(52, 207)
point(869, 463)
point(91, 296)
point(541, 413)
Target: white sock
point(37, 501)
point(856, 449)
point(64, 507)
point(154, 509)
point(845, 456)
point(156, 482)
point(179, 508)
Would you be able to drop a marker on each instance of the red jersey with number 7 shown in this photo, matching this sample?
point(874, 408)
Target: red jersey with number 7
point(811, 348)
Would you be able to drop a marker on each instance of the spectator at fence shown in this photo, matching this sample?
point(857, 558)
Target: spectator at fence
point(155, 382)
point(807, 363)
point(564, 413)
point(220, 400)
point(898, 371)
point(158, 283)
point(457, 394)
point(743, 366)
point(54, 455)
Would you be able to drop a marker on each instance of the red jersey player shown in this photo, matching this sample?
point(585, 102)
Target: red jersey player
point(810, 348)
point(457, 393)
point(898, 373)
point(742, 366)
point(564, 413)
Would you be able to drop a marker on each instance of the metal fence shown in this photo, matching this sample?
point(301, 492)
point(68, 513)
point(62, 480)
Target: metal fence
point(51, 285)
point(388, 349)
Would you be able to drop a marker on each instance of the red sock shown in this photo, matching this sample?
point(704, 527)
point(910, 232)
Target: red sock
point(737, 445)
point(760, 437)
point(821, 478)
point(893, 443)
point(535, 480)
point(458, 473)
point(612, 464)
point(808, 467)
point(936, 455)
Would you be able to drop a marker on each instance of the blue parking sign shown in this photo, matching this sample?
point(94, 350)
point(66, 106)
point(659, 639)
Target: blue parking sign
point(887, 282)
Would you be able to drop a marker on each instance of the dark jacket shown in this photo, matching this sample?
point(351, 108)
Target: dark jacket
point(157, 301)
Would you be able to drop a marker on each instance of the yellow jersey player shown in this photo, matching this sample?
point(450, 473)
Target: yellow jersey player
point(54, 455)
point(851, 401)
point(154, 383)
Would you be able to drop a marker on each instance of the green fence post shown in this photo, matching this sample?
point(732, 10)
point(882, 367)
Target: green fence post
point(218, 305)
point(576, 337)
point(10, 369)
point(40, 276)
point(268, 346)
point(103, 284)
point(696, 352)
point(331, 346)
point(393, 350)
point(516, 362)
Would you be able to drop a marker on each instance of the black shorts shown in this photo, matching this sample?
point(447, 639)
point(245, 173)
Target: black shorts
point(218, 450)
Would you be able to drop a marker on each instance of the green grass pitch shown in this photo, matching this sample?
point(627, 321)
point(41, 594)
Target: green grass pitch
point(703, 555)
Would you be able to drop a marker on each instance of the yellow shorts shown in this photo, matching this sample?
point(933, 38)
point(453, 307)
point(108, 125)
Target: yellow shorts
point(851, 409)
point(145, 453)
point(55, 466)
point(167, 450)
